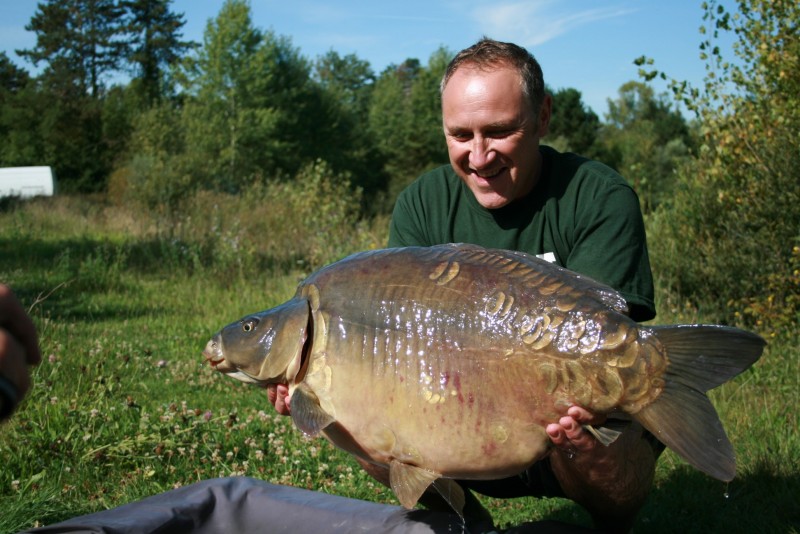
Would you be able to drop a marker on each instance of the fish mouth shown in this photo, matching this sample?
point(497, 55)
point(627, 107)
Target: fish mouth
point(213, 355)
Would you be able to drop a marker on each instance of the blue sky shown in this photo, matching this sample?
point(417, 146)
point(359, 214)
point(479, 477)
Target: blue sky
point(589, 45)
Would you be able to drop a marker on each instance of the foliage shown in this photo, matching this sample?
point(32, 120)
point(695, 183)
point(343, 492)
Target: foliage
point(405, 120)
point(729, 241)
point(346, 85)
point(242, 107)
point(573, 126)
point(301, 223)
point(78, 41)
point(155, 45)
point(645, 139)
point(308, 221)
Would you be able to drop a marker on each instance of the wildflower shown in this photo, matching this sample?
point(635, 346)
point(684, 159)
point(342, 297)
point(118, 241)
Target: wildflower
point(208, 415)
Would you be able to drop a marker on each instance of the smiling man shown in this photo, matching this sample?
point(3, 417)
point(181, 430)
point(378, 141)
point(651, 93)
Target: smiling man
point(490, 127)
point(502, 189)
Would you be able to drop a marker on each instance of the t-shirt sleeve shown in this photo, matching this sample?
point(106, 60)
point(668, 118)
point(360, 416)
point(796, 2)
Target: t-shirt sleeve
point(610, 246)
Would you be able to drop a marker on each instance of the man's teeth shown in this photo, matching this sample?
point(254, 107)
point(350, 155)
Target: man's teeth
point(488, 174)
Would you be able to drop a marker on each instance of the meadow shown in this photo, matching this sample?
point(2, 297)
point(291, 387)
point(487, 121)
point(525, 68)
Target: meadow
point(124, 407)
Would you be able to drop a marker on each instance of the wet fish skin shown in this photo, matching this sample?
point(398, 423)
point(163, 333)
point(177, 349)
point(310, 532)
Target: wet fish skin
point(449, 361)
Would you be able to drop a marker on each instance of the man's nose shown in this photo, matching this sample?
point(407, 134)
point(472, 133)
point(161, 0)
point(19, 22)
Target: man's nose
point(481, 153)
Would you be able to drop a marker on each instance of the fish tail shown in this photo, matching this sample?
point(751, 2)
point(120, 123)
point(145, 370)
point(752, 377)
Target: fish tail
point(701, 357)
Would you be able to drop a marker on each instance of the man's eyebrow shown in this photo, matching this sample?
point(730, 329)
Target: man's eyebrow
point(513, 124)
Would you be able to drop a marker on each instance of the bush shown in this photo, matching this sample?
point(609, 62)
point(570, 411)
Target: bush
point(729, 240)
point(303, 223)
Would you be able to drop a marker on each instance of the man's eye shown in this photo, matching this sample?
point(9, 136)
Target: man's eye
point(500, 134)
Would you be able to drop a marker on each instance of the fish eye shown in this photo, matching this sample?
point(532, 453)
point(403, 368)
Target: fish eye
point(249, 325)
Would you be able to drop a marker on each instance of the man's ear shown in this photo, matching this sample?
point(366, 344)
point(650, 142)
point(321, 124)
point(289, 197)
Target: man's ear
point(543, 119)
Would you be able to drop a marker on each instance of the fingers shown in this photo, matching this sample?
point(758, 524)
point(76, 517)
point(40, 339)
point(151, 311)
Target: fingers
point(568, 432)
point(16, 321)
point(278, 395)
point(13, 372)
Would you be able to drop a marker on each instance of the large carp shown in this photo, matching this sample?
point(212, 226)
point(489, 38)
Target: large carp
point(448, 362)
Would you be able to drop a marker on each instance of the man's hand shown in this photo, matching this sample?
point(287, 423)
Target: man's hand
point(278, 395)
point(568, 434)
point(19, 348)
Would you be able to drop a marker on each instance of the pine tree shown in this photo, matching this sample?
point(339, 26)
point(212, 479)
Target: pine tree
point(82, 41)
point(155, 44)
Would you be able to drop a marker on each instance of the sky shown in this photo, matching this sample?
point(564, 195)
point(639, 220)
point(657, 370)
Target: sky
point(588, 45)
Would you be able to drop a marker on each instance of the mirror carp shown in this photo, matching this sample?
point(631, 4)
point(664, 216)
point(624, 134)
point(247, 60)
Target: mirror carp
point(448, 362)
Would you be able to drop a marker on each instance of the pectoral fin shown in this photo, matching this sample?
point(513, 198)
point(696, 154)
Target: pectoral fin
point(409, 482)
point(307, 414)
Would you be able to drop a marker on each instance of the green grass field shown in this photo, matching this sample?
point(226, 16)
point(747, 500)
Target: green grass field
point(123, 406)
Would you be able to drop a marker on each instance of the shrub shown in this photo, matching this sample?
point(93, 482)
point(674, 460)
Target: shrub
point(729, 240)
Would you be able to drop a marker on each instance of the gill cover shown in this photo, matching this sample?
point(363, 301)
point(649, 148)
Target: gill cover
point(268, 346)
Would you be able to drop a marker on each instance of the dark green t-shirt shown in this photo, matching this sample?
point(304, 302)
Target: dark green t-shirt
point(581, 214)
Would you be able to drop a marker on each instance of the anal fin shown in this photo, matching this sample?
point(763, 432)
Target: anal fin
point(307, 414)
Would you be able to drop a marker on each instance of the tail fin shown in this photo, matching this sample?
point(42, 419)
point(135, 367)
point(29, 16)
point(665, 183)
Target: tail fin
point(701, 357)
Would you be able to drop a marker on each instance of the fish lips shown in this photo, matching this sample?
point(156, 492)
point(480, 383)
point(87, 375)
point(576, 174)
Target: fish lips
point(213, 355)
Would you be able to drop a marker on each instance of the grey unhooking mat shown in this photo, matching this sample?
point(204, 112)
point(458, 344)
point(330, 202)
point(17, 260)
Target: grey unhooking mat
point(245, 505)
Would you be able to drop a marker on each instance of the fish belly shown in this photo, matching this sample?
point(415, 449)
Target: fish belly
point(455, 413)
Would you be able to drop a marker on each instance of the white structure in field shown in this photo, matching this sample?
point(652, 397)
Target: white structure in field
point(25, 182)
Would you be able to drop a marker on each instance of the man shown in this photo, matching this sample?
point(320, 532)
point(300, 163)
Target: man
point(19, 348)
point(503, 190)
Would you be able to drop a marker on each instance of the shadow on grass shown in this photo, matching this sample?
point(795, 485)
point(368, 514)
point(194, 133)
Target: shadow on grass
point(689, 501)
point(74, 279)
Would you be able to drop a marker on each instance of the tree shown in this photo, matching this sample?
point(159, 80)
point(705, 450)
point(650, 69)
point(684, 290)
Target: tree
point(645, 139)
point(80, 40)
point(349, 80)
point(573, 126)
point(155, 45)
point(730, 239)
point(347, 84)
point(228, 112)
point(405, 120)
point(12, 78)
point(20, 117)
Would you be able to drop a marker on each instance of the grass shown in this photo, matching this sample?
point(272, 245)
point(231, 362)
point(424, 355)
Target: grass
point(123, 406)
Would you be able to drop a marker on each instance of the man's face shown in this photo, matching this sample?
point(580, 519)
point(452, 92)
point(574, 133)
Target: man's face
point(493, 134)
